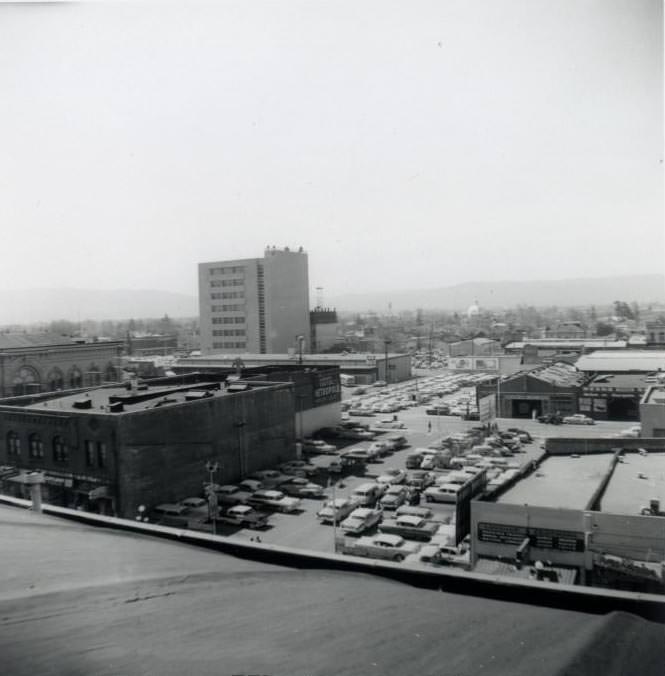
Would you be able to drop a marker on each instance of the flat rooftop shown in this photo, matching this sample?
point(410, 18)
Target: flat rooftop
point(560, 481)
point(635, 481)
point(140, 400)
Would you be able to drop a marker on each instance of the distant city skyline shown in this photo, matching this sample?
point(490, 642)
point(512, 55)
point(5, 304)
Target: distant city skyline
point(403, 148)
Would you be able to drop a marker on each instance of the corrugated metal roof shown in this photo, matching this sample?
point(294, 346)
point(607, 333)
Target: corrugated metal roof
point(560, 374)
point(624, 360)
point(13, 341)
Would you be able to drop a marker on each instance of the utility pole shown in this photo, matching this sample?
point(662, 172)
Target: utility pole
point(385, 346)
point(212, 468)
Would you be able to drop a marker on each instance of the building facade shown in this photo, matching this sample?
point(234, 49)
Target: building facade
point(33, 363)
point(256, 305)
point(111, 449)
point(652, 412)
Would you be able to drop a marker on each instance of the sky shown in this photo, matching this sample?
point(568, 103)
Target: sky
point(403, 145)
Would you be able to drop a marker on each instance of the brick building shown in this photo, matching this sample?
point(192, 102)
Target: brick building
point(32, 363)
point(112, 449)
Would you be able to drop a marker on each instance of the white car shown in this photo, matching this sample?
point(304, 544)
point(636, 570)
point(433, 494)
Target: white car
point(392, 476)
point(360, 520)
point(339, 510)
point(578, 419)
point(274, 500)
point(318, 446)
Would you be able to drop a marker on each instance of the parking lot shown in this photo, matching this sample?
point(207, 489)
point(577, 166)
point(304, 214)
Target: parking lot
point(302, 530)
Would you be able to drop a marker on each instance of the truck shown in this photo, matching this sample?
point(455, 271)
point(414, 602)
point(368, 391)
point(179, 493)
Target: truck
point(381, 546)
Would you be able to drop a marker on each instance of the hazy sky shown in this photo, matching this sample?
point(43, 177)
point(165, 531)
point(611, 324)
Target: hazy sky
point(404, 145)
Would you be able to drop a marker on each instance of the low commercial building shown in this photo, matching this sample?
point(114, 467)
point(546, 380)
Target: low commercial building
point(535, 392)
point(367, 368)
point(113, 449)
point(582, 508)
point(325, 329)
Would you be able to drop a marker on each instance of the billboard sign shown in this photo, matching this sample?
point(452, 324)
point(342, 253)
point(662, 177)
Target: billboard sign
point(473, 363)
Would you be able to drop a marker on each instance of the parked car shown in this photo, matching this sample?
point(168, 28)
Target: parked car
point(245, 516)
point(392, 476)
point(169, 514)
point(274, 500)
point(194, 503)
point(441, 493)
point(379, 448)
point(338, 510)
point(298, 468)
point(395, 496)
point(550, 419)
point(419, 479)
point(578, 419)
point(409, 526)
point(269, 478)
point(360, 520)
point(318, 446)
point(522, 435)
point(414, 510)
point(390, 424)
point(232, 495)
point(381, 546)
point(437, 555)
point(250, 485)
point(301, 488)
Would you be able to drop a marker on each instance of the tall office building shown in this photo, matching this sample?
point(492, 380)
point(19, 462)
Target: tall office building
point(255, 305)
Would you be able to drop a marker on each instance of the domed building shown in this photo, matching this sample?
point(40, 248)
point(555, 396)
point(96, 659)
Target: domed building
point(473, 311)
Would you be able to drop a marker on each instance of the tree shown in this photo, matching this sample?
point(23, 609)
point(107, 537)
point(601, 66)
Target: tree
point(622, 310)
point(603, 329)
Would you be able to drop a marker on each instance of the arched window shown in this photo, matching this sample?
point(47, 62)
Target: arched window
point(60, 450)
point(110, 375)
point(25, 381)
point(75, 377)
point(94, 375)
point(35, 446)
point(55, 380)
point(13, 444)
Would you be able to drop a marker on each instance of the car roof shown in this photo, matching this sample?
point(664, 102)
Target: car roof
point(389, 538)
point(410, 519)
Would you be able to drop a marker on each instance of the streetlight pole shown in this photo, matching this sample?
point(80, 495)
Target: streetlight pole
point(385, 346)
point(212, 468)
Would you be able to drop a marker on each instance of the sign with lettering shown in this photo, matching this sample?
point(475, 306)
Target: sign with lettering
point(540, 538)
point(327, 389)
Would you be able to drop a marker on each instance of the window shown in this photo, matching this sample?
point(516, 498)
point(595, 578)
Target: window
point(13, 444)
point(60, 451)
point(101, 454)
point(35, 447)
point(89, 453)
point(238, 320)
point(75, 377)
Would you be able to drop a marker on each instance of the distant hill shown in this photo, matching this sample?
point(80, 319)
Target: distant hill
point(43, 305)
point(562, 292)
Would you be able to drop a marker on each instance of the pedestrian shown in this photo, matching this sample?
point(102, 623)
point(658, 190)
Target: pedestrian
point(429, 426)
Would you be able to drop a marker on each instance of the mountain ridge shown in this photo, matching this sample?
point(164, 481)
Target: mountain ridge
point(27, 306)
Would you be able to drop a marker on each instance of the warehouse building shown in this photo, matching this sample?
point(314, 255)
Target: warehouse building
point(366, 368)
point(112, 449)
point(613, 396)
point(588, 508)
point(535, 392)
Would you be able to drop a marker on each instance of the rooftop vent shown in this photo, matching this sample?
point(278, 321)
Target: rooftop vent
point(194, 395)
point(82, 403)
point(116, 407)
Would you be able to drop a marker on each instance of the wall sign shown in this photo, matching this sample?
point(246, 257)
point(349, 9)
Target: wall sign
point(541, 538)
